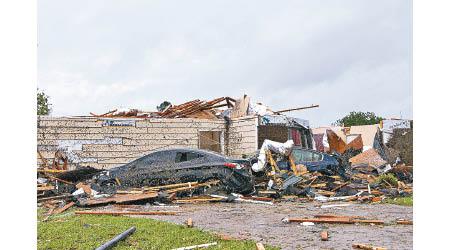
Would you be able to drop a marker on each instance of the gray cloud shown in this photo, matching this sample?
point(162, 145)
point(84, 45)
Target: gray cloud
point(94, 56)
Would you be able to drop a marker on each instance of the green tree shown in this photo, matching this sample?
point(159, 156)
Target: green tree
point(43, 105)
point(358, 118)
point(163, 106)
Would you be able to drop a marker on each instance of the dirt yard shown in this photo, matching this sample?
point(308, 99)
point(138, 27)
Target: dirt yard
point(262, 222)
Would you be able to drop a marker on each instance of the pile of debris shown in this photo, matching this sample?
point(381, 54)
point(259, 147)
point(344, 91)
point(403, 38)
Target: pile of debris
point(213, 109)
point(274, 176)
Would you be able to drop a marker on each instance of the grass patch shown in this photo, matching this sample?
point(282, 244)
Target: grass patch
point(404, 201)
point(389, 178)
point(91, 231)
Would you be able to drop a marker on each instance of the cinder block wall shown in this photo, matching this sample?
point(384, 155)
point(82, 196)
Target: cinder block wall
point(106, 143)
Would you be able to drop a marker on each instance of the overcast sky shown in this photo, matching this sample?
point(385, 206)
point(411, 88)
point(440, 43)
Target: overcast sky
point(95, 56)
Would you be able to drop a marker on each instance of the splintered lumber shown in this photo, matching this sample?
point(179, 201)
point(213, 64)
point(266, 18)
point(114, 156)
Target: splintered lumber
point(288, 110)
point(58, 179)
point(260, 246)
point(55, 197)
point(323, 192)
point(120, 199)
point(192, 187)
point(197, 200)
point(168, 186)
point(402, 222)
point(325, 220)
point(64, 208)
point(51, 171)
point(334, 216)
point(128, 212)
point(258, 198)
point(118, 182)
point(294, 168)
point(48, 187)
point(49, 213)
point(190, 223)
point(340, 186)
point(324, 236)
point(360, 246)
point(42, 158)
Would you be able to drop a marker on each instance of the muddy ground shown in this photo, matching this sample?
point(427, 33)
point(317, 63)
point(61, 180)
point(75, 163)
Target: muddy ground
point(262, 222)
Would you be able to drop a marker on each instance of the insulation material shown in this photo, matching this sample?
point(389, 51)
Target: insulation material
point(369, 157)
point(277, 147)
point(258, 109)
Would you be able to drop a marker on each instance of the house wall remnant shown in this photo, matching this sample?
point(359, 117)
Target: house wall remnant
point(243, 136)
point(110, 142)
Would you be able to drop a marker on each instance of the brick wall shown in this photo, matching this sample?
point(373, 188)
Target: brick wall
point(106, 143)
point(274, 133)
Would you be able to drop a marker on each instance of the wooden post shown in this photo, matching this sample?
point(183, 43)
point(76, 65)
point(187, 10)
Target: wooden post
point(294, 169)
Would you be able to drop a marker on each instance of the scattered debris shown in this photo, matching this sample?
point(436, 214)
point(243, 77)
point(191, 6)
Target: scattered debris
point(260, 246)
point(189, 223)
point(128, 212)
point(360, 246)
point(196, 246)
point(324, 236)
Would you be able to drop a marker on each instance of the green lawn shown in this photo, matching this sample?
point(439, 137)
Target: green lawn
point(404, 201)
point(91, 231)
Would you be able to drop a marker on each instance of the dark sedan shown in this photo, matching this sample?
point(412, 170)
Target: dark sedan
point(182, 165)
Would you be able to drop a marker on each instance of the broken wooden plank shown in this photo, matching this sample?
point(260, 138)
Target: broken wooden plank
point(258, 198)
point(294, 109)
point(155, 188)
point(324, 236)
point(192, 187)
point(49, 213)
point(197, 200)
point(325, 220)
point(51, 171)
point(128, 212)
point(48, 187)
point(294, 168)
point(67, 206)
point(42, 158)
point(340, 186)
point(58, 179)
point(55, 197)
point(402, 222)
point(334, 216)
point(120, 199)
point(118, 182)
point(360, 246)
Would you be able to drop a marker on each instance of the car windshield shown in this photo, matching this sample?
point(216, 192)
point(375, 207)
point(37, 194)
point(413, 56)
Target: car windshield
point(305, 155)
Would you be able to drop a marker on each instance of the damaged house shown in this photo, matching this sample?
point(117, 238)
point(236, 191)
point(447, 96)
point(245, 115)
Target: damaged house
point(235, 128)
